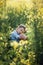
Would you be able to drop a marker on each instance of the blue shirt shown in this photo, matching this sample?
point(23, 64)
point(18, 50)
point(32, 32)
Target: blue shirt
point(15, 36)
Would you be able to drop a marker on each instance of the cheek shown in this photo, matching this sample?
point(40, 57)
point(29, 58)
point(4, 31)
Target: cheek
point(20, 31)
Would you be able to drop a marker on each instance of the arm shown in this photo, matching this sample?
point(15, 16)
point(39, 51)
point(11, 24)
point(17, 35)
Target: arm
point(23, 37)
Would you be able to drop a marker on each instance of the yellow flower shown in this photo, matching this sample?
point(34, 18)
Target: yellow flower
point(15, 59)
point(27, 62)
point(22, 42)
point(23, 61)
point(13, 63)
point(14, 44)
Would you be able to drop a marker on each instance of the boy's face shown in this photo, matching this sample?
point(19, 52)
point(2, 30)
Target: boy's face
point(21, 30)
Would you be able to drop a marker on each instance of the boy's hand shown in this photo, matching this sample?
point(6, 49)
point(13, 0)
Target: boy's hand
point(23, 37)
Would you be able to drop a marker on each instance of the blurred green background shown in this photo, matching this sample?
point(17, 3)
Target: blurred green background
point(13, 13)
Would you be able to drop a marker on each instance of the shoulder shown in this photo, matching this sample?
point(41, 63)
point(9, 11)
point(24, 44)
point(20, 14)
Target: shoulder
point(13, 31)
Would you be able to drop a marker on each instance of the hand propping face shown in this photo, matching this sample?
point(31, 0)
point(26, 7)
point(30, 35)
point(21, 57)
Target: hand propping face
point(23, 37)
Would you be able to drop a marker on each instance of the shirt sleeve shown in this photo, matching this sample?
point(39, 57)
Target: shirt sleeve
point(16, 35)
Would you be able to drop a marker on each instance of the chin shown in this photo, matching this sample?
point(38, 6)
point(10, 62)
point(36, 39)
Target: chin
point(20, 33)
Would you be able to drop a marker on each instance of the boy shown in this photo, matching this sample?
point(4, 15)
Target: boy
point(18, 34)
